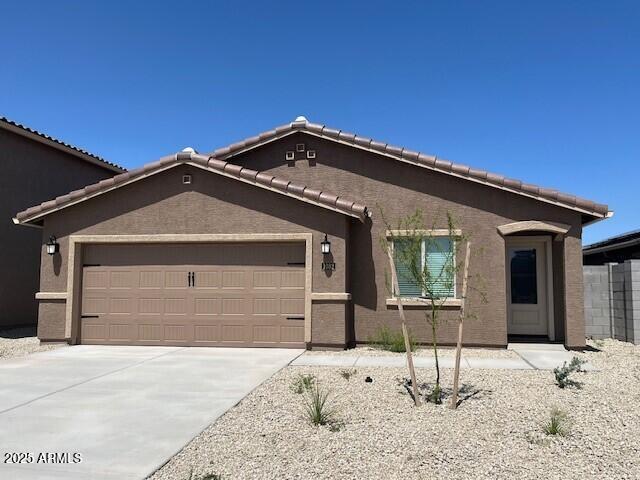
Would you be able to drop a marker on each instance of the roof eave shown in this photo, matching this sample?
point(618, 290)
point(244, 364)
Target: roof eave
point(341, 205)
point(418, 159)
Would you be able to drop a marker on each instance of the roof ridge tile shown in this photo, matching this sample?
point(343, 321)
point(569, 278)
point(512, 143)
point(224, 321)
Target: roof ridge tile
point(429, 161)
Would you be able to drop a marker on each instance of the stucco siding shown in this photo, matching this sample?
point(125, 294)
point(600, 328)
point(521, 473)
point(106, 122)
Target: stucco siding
point(398, 189)
point(31, 173)
point(212, 204)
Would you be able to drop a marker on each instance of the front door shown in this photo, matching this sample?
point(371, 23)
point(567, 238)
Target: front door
point(527, 287)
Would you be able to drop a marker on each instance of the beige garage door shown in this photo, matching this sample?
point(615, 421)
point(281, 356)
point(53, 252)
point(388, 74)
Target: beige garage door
point(246, 295)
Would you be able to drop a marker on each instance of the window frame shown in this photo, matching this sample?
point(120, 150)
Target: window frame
point(454, 235)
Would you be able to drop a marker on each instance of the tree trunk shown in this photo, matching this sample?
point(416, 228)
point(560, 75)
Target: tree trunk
point(456, 372)
point(405, 334)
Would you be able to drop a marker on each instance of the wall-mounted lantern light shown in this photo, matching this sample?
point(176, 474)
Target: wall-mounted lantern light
point(325, 246)
point(52, 245)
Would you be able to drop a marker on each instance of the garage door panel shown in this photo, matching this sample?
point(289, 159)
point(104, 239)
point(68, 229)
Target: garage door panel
point(293, 279)
point(267, 279)
point(233, 279)
point(95, 279)
point(291, 333)
point(207, 279)
point(121, 279)
point(120, 331)
point(94, 332)
point(207, 333)
point(241, 295)
point(234, 306)
point(178, 279)
point(292, 306)
point(266, 333)
point(120, 306)
point(150, 306)
point(150, 333)
point(93, 306)
point(234, 333)
point(175, 333)
point(150, 279)
point(175, 306)
point(208, 306)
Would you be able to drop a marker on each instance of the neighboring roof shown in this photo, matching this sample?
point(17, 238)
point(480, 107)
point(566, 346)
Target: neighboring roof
point(58, 144)
point(301, 124)
point(623, 240)
point(220, 167)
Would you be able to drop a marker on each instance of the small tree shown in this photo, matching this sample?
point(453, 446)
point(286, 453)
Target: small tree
point(413, 247)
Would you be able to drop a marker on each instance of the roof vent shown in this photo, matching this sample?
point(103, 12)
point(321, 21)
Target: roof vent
point(301, 118)
point(189, 150)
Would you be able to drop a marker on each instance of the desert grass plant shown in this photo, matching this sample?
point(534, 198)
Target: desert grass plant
point(206, 476)
point(317, 408)
point(392, 340)
point(302, 383)
point(557, 424)
point(347, 373)
point(432, 276)
point(564, 372)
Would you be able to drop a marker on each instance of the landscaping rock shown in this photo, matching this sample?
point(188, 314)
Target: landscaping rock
point(496, 432)
point(17, 342)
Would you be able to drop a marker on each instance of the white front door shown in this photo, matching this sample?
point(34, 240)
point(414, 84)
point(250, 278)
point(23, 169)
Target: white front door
point(527, 299)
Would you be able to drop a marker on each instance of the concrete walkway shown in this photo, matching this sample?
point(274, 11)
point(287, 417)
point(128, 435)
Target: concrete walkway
point(124, 410)
point(529, 357)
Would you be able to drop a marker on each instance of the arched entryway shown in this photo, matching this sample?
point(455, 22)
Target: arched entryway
point(530, 267)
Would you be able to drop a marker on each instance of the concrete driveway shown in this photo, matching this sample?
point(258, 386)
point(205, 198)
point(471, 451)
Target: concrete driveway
point(124, 410)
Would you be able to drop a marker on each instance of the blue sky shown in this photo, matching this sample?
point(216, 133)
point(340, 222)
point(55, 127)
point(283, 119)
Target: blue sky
point(547, 92)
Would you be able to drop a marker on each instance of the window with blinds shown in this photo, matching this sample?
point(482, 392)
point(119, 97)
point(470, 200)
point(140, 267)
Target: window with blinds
point(436, 258)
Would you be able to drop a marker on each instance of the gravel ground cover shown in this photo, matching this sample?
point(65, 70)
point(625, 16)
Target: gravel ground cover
point(420, 352)
point(17, 342)
point(496, 433)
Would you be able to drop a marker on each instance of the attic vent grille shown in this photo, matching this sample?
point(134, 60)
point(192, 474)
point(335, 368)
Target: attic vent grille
point(186, 179)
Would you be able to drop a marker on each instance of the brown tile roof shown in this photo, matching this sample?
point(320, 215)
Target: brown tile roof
point(419, 159)
point(207, 162)
point(54, 142)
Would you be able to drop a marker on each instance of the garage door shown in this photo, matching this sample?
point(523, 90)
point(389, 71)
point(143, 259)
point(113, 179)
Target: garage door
point(245, 295)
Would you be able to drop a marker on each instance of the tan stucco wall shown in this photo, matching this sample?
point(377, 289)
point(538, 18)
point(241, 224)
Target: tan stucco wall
point(212, 204)
point(399, 189)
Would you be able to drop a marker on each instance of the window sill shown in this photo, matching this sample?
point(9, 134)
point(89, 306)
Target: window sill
point(424, 304)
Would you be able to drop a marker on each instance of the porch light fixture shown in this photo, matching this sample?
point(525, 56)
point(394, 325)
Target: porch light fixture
point(52, 245)
point(325, 246)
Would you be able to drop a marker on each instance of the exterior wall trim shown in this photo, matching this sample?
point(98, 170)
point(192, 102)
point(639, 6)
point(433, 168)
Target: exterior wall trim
point(334, 296)
point(74, 266)
point(414, 302)
point(51, 295)
point(435, 232)
point(560, 229)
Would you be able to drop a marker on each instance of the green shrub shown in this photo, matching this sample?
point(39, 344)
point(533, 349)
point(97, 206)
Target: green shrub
point(347, 373)
point(392, 340)
point(562, 373)
point(207, 476)
point(557, 424)
point(303, 383)
point(316, 407)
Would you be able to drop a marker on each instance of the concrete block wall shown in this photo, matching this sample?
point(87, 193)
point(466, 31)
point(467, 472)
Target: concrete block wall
point(612, 301)
point(597, 301)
